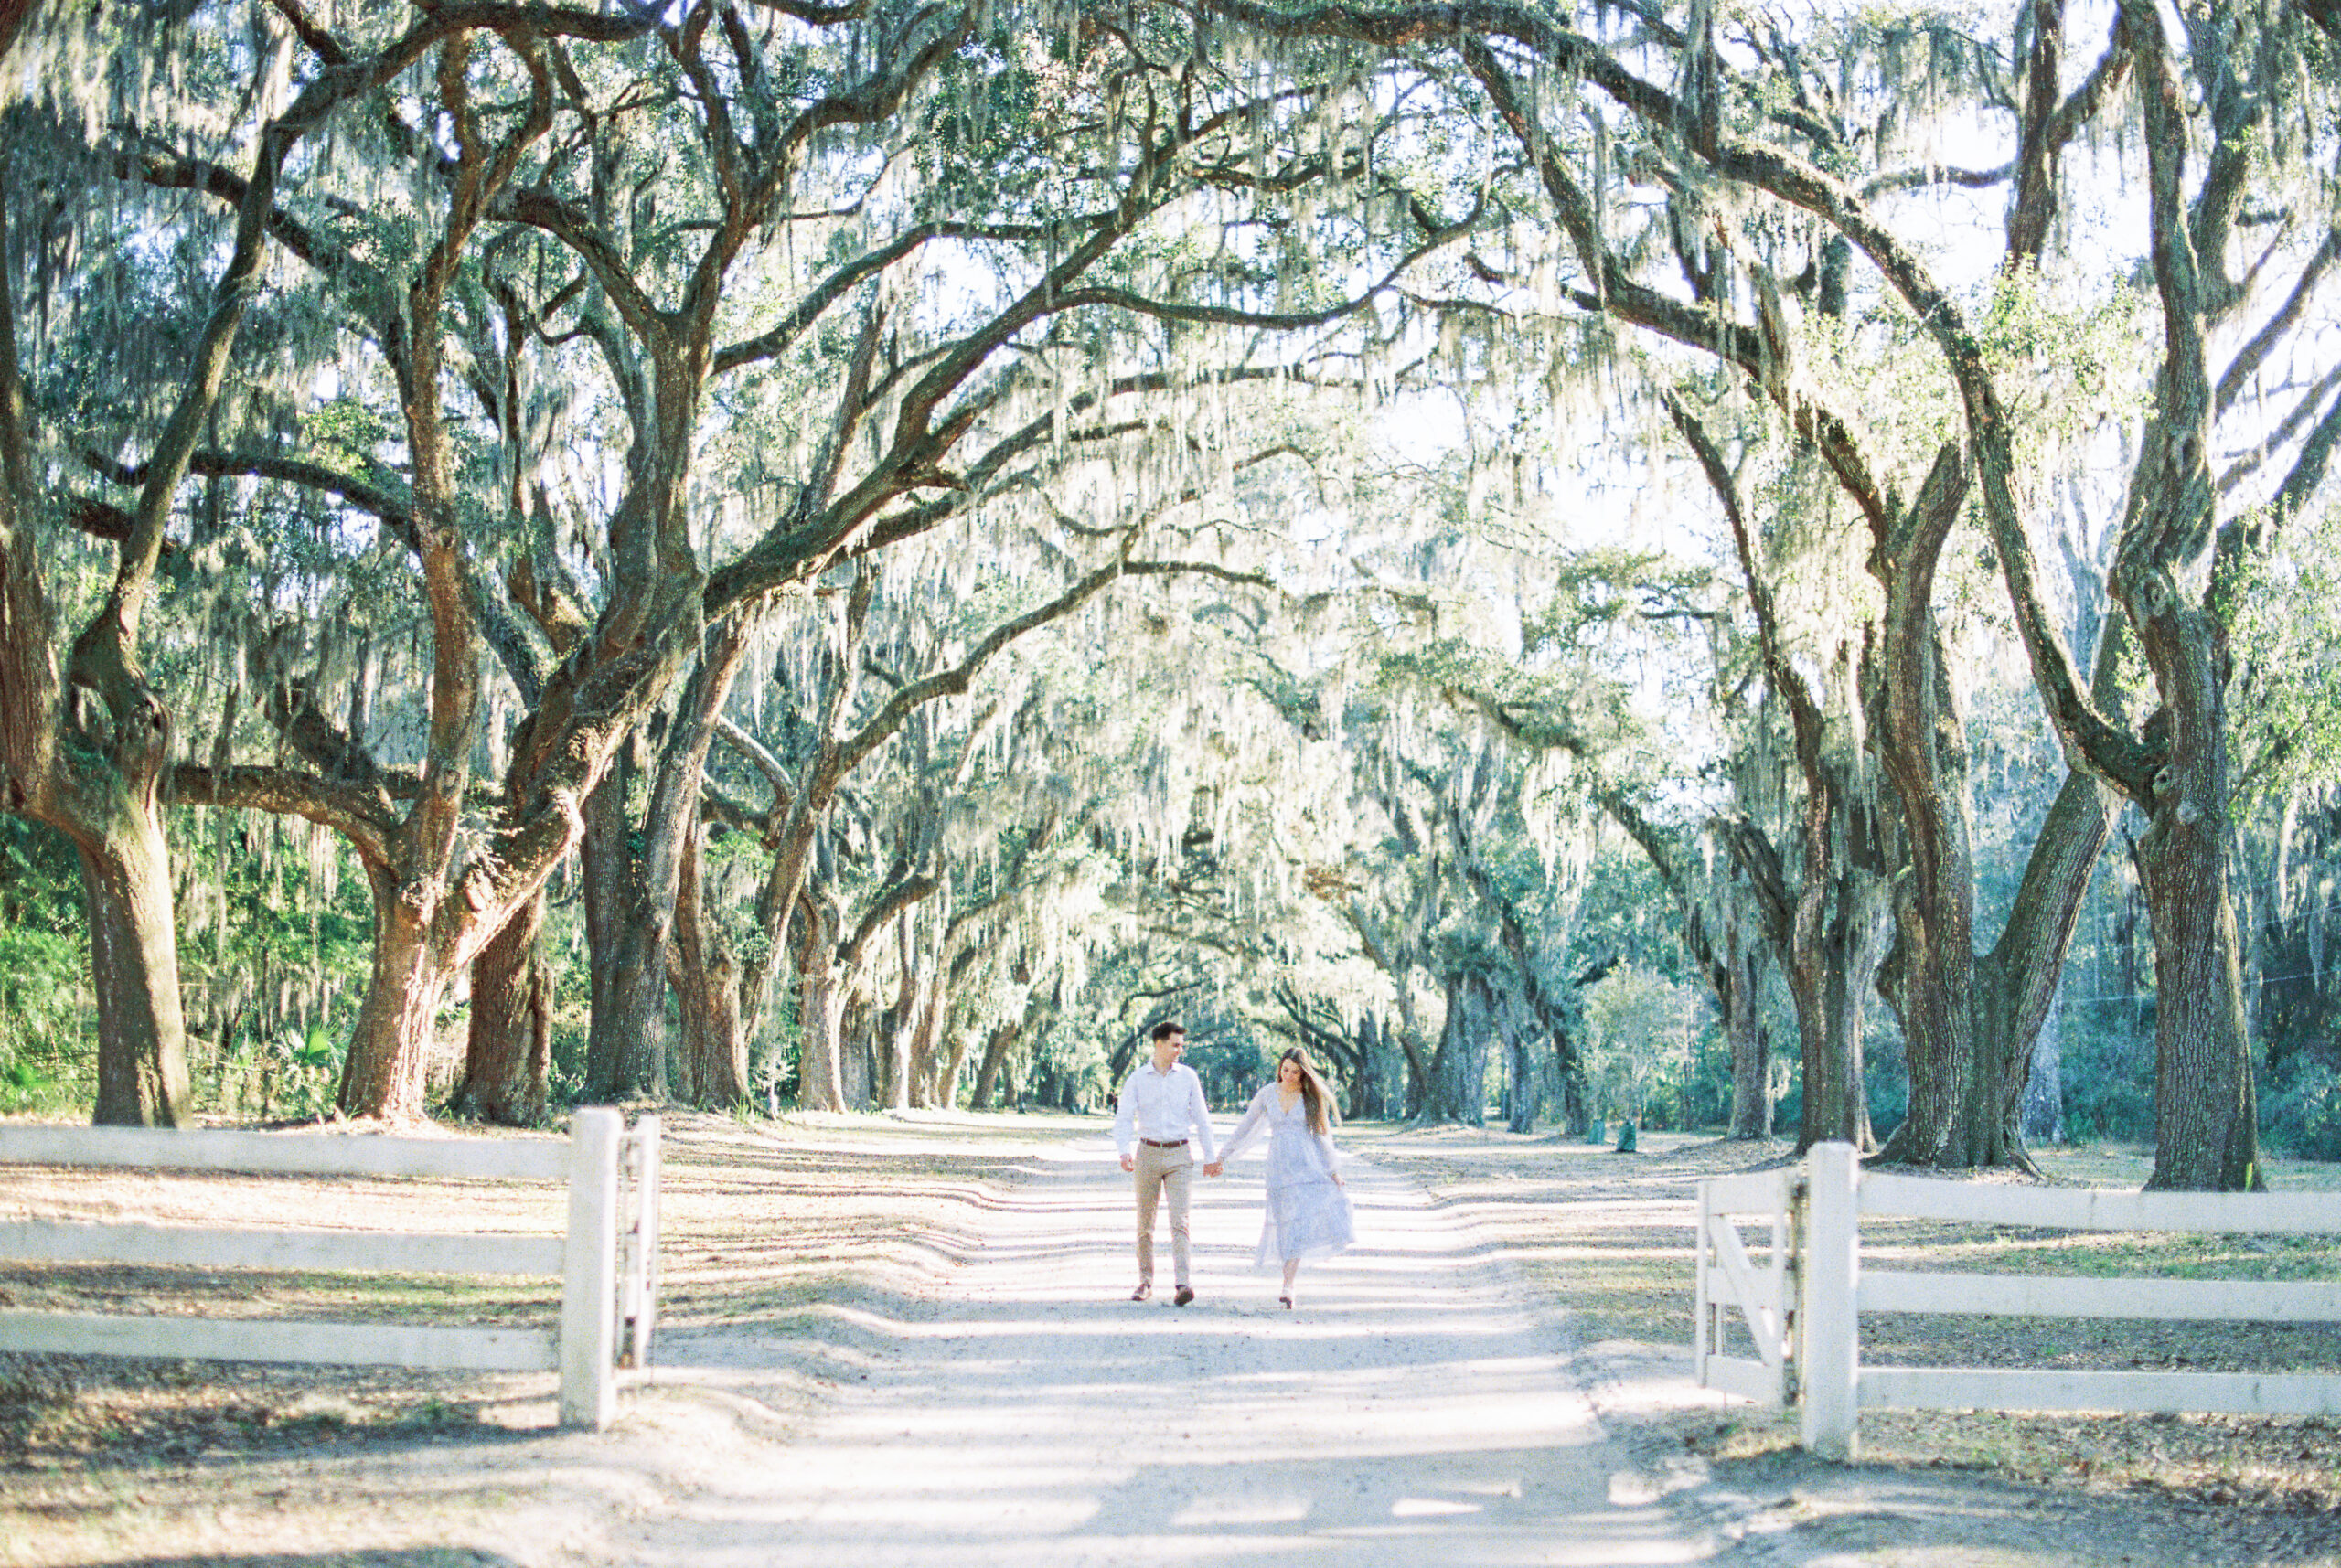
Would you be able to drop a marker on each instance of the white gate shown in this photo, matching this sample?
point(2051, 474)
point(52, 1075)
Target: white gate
point(1730, 1280)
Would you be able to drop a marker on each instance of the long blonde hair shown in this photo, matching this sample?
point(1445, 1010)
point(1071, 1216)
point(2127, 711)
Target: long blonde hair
point(1314, 1093)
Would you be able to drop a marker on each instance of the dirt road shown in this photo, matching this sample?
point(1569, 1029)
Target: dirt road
point(1409, 1413)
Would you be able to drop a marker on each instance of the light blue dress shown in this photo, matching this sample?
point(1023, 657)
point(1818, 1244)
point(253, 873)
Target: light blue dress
point(1308, 1214)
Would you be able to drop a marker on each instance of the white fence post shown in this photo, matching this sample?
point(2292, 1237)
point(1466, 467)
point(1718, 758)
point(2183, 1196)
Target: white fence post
point(1829, 1324)
point(640, 1301)
point(588, 1327)
point(1708, 1314)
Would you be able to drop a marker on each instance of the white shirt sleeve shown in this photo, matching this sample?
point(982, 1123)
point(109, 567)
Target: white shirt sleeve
point(1199, 1109)
point(1125, 1116)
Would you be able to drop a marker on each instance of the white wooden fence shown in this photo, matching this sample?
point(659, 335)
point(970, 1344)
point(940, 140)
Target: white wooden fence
point(1812, 1347)
point(608, 1261)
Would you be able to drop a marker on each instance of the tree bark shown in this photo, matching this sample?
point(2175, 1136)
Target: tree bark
point(606, 868)
point(629, 1032)
point(434, 910)
point(507, 1057)
point(626, 1039)
point(713, 1054)
point(900, 1023)
point(926, 1038)
point(1751, 1047)
point(1836, 1104)
point(2206, 1133)
point(87, 752)
point(134, 965)
point(950, 1070)
point(1457, 1087)
point(995, 1058)
point(1919, 737)
point(820, 1069)
point(384, 1072)
point(857, 1042)
point(1522, 1094)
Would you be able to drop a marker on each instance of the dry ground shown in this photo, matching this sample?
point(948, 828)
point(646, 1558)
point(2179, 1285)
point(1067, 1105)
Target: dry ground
point(1606, 1237)
point(792, 1232)
point(788, 1227)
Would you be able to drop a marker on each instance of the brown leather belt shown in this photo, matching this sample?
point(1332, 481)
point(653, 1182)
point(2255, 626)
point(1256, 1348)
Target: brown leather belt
point(1158, 1142)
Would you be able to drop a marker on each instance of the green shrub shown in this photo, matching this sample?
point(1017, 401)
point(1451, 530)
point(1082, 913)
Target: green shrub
point(2300, 1109)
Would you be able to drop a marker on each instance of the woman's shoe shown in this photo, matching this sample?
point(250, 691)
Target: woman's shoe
point(1286, 1301)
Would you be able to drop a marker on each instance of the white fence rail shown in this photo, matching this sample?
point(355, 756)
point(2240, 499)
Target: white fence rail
point(608, 1261)
point(1814, 1353)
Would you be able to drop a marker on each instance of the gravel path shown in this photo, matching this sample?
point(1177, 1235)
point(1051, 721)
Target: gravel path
point(1410, 1413)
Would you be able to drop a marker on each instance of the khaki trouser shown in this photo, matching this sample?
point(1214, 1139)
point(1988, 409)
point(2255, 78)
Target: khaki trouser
point(1161, 1170)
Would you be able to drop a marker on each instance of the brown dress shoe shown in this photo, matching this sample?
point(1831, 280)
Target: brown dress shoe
point(1142, 1292)
point(1182, 1295)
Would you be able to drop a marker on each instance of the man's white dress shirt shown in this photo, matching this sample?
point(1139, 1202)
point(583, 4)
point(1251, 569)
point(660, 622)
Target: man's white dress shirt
point(1163, 1106)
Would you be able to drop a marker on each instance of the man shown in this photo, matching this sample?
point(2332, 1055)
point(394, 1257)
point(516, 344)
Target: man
point(1161, 1106)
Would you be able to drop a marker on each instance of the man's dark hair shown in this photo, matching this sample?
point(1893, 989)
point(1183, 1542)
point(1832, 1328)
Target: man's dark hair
point(1166, 1028)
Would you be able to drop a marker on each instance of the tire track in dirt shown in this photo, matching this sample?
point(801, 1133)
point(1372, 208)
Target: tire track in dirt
point(1412, 1412)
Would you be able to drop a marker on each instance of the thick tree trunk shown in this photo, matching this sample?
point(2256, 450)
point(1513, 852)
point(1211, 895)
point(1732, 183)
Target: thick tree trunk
point(612, 1060)
point(629, 1024)
point(712, 1053)
point(898, 1026)
point(383, 1075)
point(1457, 1089)
point(857, 1045)
point(88, 761)
point(1524, 1094)
point(1967, 1113)
point(1921, 743)
point(926, 1039)
point(682, 1065)
point(2206, 1122)
point(2207, 1136)
point(950, 1063)
point(820, 1069)
point(1576, 1109)
point(627, 1039)
point(1832, 982)
point(103, 789)
point(1751, 1049)
point(630, 1030)
point(507, 1057)
point(2016, 983)
point(134, 967)
point(1418, 1059)
point(1365, 1094)
point(995, 1058)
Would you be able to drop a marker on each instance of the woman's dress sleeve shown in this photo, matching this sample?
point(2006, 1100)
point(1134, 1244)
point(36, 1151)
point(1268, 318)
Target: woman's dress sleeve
point(1255, 1114)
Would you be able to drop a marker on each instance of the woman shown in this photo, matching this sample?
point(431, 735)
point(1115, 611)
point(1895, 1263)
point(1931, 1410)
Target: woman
point(1309, 1214)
